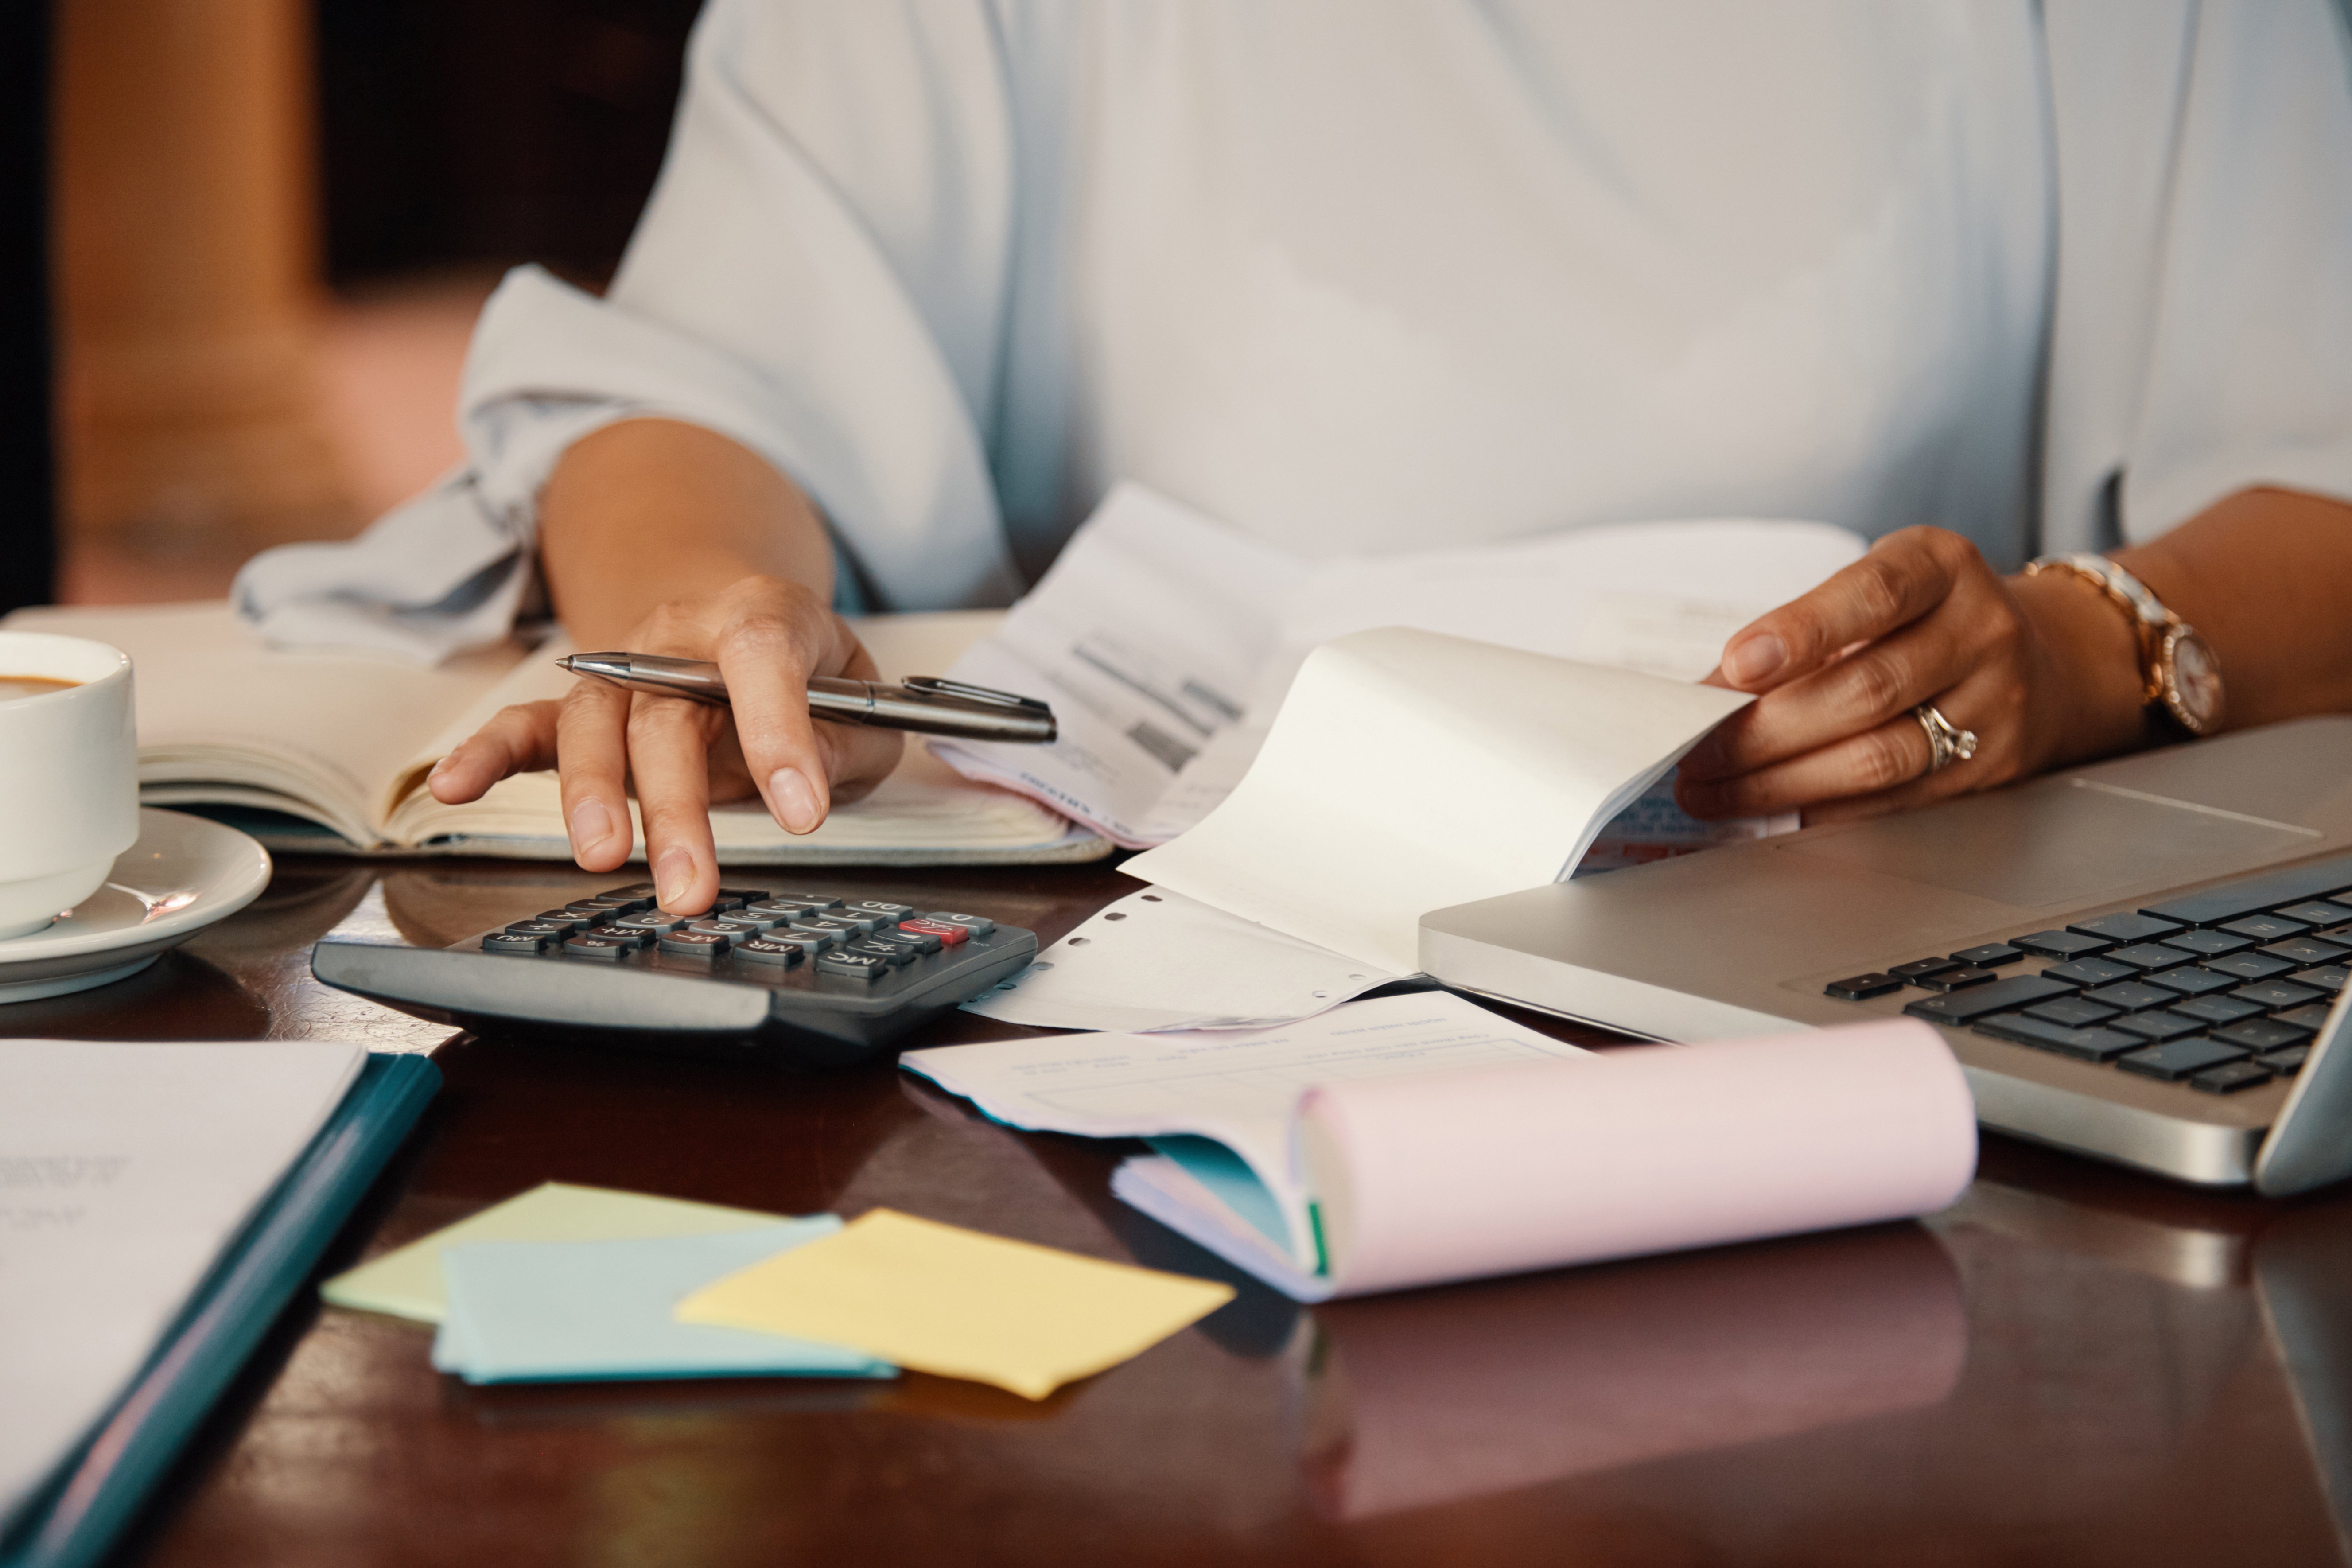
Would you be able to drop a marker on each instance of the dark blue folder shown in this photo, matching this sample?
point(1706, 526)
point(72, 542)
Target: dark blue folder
point(98, 1491)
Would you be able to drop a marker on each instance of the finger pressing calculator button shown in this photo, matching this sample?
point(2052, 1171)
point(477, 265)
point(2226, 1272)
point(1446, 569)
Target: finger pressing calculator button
point(951, 935)
point(761, 949)
point(516, 943)
point(1862, 987)
point(979, 925)
point(890, 953)
point(610, 949)
point(694, 943)
point(541, 928)
point(862, 967)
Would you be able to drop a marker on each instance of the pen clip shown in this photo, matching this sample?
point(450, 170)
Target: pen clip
point(987, 696)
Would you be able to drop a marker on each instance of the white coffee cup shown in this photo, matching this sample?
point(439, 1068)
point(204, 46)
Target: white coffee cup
point(68, 776)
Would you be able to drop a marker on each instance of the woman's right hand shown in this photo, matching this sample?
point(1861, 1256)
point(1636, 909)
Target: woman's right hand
point(768, 636)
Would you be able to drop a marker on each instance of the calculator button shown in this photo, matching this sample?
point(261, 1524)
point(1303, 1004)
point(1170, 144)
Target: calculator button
point(949, 934)
point(611, 906)
point(730, 927)
point(566, 918)
point(829, 936)
point(865, 921)
point(2156, 1025)
point(2130, 996)
point(2267, 928)
point(920, 942)
point(652, 922)
point(807, 900)
point(2262, 1034)
point(2125, 927)
point(810, 943)
point(642, 894)
point(541, 928)
point(2179, 1059)
point(854, 966)
point(761, 949)
point(1862, 987)
point(1922, 968)
point(610, 949)
point(2249, 966)
point(845, 930)
point(2061, 944)
point(2217, 1009)
point(2094, 972)
point(2287, 1062)
point(979, 925)
point(1991, 955)
point(2092, 1045)
point(889, 912)
point(2276, 995)
point(518, 945)
point(2230, 1078)
point(2302, 951)
point(2189, 979)
point(694, 944)
point(2072, 1012)
point(890, 953)
point(736, 897)
point(2209, 943)
point(1958, 979)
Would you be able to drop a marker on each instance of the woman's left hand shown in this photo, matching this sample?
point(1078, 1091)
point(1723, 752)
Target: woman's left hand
point(2042, 669)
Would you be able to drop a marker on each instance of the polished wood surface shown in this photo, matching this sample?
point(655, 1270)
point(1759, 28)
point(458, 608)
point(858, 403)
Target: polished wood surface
point(2073, 1365)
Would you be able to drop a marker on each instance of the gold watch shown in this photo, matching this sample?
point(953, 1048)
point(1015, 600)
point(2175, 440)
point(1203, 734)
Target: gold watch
point(2180, 678)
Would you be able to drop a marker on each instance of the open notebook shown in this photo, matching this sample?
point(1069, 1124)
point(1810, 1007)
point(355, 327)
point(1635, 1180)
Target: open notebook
point(328, 750)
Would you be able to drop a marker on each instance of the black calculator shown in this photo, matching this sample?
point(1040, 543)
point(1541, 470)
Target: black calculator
point(797, 978)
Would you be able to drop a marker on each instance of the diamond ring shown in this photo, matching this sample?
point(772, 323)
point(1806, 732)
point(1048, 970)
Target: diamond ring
point(1947, 741)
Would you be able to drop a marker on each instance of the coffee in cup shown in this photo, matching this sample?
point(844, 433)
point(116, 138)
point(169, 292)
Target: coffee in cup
point(68, 773)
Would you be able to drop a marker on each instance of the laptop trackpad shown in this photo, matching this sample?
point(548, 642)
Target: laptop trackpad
point(2056, 845)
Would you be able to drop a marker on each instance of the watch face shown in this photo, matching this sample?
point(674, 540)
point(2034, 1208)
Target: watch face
point(2192, 681)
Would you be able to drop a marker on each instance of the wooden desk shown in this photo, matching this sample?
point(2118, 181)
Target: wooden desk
point(2073, 1365)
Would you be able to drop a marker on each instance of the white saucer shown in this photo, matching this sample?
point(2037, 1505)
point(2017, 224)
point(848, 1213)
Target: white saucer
point(183, 874)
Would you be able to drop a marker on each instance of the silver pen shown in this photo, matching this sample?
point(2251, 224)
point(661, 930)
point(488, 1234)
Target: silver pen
point(923, 703)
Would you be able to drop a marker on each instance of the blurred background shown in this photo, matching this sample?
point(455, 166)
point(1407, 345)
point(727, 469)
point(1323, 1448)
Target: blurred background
point(243, 242)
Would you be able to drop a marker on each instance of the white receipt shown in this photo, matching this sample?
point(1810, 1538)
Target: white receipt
point(124, 1169)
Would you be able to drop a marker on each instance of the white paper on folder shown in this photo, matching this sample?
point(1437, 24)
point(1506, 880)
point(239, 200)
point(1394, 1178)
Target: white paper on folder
point(1236, 1087)
point(1410, 771)
point(1157, 960)
point(124, 1170)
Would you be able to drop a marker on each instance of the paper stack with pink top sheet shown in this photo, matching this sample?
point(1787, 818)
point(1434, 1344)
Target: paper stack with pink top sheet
point(1412, 1139)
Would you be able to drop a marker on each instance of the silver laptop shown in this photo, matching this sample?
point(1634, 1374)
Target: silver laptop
point(2143, 960)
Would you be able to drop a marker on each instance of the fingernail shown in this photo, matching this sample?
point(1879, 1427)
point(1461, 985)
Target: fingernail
point(673, 874)
point(592, 824)
point(796, 800)
point(442, 766)
point(1755, 659)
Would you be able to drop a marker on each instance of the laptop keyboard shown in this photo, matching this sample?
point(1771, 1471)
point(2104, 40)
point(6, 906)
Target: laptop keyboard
point(2221, 989)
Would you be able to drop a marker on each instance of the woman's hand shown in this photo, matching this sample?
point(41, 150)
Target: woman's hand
point(768, 636)
point(2043, 670)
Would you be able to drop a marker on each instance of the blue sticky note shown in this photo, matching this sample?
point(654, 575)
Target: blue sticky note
point(561, 1311)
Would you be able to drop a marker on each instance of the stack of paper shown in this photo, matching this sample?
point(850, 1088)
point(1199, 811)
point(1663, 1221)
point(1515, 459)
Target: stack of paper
point(571, 1283)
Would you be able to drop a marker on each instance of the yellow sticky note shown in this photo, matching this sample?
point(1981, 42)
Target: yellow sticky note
point(407, 1283)
point(945, 1299)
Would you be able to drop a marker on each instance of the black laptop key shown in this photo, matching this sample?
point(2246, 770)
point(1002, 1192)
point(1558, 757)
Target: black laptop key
point(2061, 944)
point(2070, 1012)
point(2083, 1045)
point(2230, 1078)
point(2177, 1060)
point(2206, 942)
point(2327, 977)
point(1991, 955)
point(2317, 912)
point(2217, 1009)
point(1957, 979)
point(2276, 995)
point(2262, 1034)
point(2249, 966)
point(2095, 971)
point(1862, 987)
point(2190, 979)
point(2125, 927)
point(2312, 1015)
point(2143, 955)
point(2288, 1062)
point(2266, 928)
point(1983, 1001)
point(2157, 1024)
point(2303, 951)
point(2252, 894)
point(2130, 996)
point(1921, 968)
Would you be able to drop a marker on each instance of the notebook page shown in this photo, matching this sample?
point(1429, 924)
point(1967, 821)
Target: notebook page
point(124, 1170)
point(1409, 771)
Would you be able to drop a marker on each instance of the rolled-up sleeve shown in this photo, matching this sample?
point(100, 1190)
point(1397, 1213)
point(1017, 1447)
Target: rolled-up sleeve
point(820, 274)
